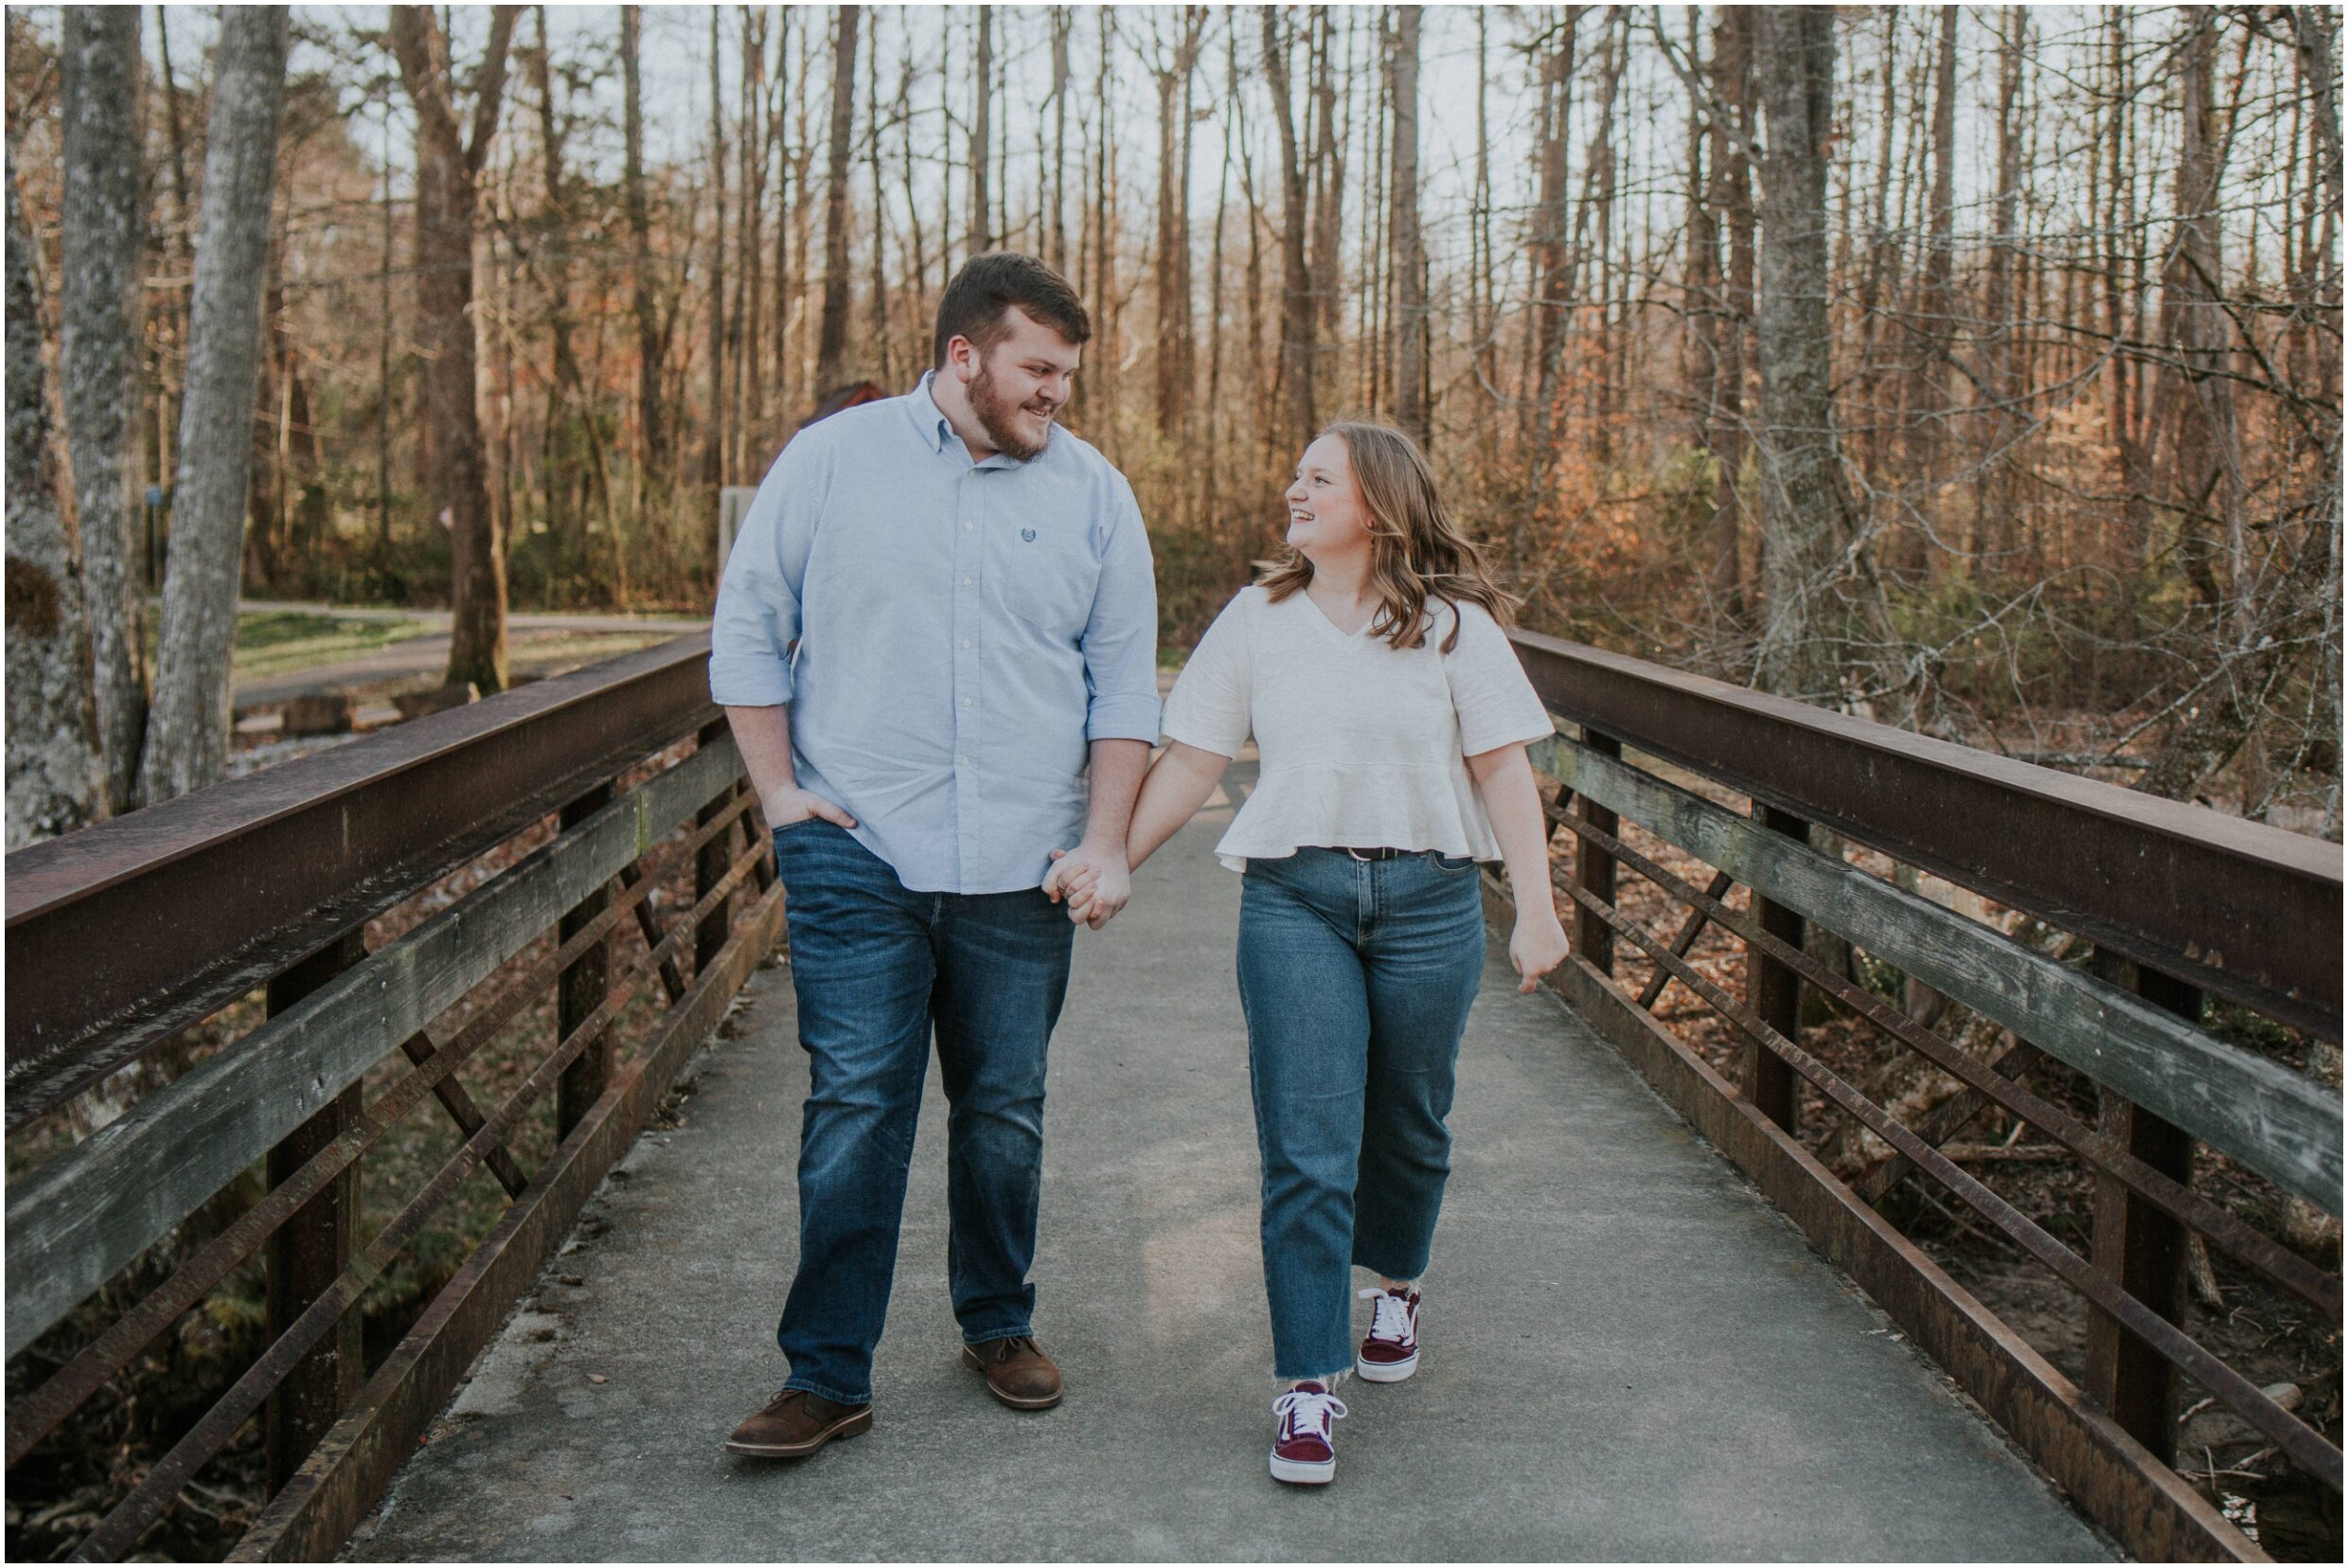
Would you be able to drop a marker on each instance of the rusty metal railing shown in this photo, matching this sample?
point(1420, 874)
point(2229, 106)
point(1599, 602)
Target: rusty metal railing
point(2165, 904)
point(568, 809)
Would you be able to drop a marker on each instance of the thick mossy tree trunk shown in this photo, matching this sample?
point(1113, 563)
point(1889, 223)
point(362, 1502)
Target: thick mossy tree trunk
point(55, 781)
point(102, 249)
point(187, 731)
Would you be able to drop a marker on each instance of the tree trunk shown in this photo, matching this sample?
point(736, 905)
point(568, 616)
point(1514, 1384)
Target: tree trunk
point(1803, 502)
point(1930, 400)
point(448, 172)
point(1175, 348)
point(652, 429)
point(713, 456)
point(1994, 499)
point(1056, 231)
point(832, 343)
point(1732, 199)
point(102, 225)
point(1411, 393)
point(1551, 280)
point(188, 728)
point(981, 241)
point(877, 308)
point(1326, 156)
point(56, 779)
point(566, 392)
point(2206, 466)
point(1297, 310)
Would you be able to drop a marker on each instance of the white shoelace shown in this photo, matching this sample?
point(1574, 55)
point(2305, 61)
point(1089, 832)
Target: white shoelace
point(1390, 1315)
point(1306, 1410)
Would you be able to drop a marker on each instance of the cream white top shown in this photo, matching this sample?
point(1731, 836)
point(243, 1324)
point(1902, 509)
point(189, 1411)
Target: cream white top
point(1362, 744)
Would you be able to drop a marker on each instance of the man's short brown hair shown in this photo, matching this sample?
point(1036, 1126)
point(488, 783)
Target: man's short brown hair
point(980, 297)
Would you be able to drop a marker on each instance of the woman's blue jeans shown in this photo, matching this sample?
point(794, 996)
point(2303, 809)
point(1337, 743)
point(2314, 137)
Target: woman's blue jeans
point(1356, 977)
point(877, 968)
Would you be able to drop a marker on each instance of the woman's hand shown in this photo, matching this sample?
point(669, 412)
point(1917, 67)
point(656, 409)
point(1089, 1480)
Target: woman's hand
point(1537, 945)
point(791, 804)
point(1096, 883)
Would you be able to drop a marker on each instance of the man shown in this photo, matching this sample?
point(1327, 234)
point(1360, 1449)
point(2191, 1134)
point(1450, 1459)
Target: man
point(936, 643)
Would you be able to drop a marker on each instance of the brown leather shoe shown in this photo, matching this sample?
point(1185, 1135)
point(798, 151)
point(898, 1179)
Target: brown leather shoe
point(1018, 1371)
point(795, 1423)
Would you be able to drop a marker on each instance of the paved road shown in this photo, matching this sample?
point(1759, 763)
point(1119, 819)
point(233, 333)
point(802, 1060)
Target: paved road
point(537, 645)
point(1630, 1354)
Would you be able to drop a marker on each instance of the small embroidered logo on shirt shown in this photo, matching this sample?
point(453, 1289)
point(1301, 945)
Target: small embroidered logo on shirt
point(1028, 534)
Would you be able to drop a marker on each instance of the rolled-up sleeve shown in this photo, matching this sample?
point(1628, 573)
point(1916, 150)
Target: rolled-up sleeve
point(758, 614)
point(1121, 635)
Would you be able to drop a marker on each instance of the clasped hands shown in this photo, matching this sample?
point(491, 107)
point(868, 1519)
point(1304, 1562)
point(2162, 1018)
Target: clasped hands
point(1093, 879)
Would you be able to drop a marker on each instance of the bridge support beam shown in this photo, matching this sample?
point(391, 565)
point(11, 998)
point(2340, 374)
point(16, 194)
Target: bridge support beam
point(2138, 1247)
point(310, 1251)
point(710, 868)
point(581, 990)
point(1774, 991)
point(1593, 867)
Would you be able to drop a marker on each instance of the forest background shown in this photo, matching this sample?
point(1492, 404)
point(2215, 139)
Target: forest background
point(1975, 369)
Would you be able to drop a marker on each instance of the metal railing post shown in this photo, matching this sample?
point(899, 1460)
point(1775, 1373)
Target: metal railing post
point(2136, 1246)
point(310, 1251)
point(1774, 991)
point(1593, 867)
point(581, 990)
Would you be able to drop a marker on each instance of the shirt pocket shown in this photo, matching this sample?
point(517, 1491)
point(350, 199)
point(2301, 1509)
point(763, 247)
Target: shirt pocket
point(1048, 584)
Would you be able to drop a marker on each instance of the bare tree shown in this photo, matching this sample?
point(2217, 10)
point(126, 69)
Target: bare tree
point(651, 335)
point(1731, 135)
point(1055, 228)
point(566, 389)
point(1803, 501)
point(447, 170)
point(102, 242)
point(832, 343)
point(188, 728)
point(713, 456)
point(56, 781)
point(1553, 285)
point(1297, 312)
point(982, 235)
point(1412, 394)
point(1176, 348)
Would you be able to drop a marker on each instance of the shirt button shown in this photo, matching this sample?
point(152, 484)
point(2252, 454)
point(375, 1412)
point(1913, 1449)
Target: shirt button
point(969, 528)
point(966, 642)
point(966, 761)
point(966, 702)
point(965, 581)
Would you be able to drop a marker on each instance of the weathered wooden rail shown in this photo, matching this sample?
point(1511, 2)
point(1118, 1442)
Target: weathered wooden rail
point(2167, 903)
point(123, 937)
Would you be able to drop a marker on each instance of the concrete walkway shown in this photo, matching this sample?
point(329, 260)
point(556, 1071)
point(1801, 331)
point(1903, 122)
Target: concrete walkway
point(1630, 1354)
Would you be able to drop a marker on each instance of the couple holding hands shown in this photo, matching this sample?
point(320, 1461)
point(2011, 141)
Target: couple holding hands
point(936, 640)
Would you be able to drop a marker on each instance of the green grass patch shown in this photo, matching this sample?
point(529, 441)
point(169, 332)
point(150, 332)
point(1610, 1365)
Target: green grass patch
point(276, 642)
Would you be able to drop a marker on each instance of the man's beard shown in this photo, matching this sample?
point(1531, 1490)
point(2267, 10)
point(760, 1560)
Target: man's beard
point(995, 418)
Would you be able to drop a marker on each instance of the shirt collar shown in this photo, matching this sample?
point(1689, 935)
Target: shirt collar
point(940, 432)
point(927, 416)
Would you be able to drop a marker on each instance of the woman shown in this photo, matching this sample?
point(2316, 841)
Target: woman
point(1392, 717)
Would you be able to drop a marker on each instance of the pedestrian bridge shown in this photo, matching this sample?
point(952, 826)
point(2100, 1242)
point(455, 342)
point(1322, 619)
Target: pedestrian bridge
point(543, 927)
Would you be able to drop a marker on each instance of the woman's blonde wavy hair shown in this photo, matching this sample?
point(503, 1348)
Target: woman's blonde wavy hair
point(1417, 552)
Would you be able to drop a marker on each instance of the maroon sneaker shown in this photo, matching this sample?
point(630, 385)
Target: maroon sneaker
point(1390, 1352)
point(1302, 1452)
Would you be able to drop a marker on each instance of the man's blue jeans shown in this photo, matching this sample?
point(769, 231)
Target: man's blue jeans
point(877, 968)
point(1356, 977)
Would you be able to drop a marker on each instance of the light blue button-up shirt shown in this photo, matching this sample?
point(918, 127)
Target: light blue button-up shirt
point(950, 636)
